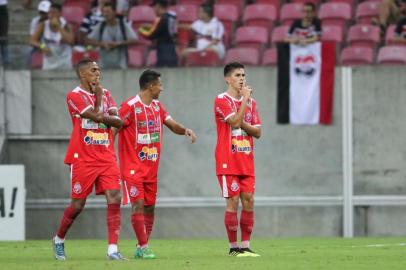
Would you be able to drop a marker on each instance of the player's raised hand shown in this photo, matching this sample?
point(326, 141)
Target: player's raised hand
point(191, 135)
point(246, 91)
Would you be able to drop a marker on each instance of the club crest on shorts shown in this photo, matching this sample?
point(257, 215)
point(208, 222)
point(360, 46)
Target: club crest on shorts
point(77, 188)
point(133, 191)
point(234, 186)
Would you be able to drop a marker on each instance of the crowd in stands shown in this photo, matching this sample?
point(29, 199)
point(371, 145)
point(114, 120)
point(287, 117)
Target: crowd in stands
point(169, 33)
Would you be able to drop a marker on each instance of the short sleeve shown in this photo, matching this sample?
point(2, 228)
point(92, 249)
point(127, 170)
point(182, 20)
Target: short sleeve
point(125, 113)
point(95, 32)
point(131, 35)
point(292, 28)
point(110, 101)
point(195, 26)
point(218, 31)
point(223, 108)
point(163, 113)
point(78, 102)
point(317, 27)
point(256, 120)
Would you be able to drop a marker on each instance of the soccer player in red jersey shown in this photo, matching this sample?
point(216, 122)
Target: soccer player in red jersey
point(237, 122)
point(91, 155)
point(139, 144)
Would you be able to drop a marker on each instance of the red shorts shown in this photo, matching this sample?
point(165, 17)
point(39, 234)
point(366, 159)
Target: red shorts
point(83, 177)
point(137, 189)
point(232, 185)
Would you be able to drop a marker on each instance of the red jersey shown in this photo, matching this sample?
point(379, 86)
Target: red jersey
point(139, 142)
point(90, 141)
point(235, 148)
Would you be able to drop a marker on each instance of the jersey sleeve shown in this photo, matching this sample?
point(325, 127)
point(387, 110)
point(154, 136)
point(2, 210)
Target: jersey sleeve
point(223, 108)
point(78, 103)
point(164, 113)
point(125, 113)
point(293, 27)
point(317, 27)
point(218, 31)
point(110, 101)
point(256, 120)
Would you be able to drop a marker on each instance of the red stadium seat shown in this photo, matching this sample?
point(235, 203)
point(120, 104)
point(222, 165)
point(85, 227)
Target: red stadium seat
point(228, 15)
point(390, 35)
point(279, 34)
point(84, 4)
point(260, 15)
point(73, 14)
point(145, 2)
point(37, 58)
point(151, 59)
point(207, 58)
point(191, 2)
point(135, 57)
point(356, 56)
point(77, 56)
point(366, 11)
point(252, 36)
point(363, 35)
point(270, 57)
point(392, 55)
point(238, 3)
point(335, 13)
point(246, 56)
point(185, 13)
point(351, 2)
point(275, 3)
point(316, 2)
point(291, 12)
point(332, 33)
point(140, 15)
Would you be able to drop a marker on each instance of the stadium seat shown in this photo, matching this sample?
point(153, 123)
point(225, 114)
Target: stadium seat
point(260, 15)
point(207, 58)
point(37, 58)
point(77, 56)
point(316, 2)
point(335, 13)
point(275, 3)
point(238, 3)
point(228, 15)
point(84, 4)
point(363, 35)
point(151, 59)
point(351, 2)
point(366, 11)
point(356, 56)
point(191, 2)
point(145, 2)
point(73, 14)
point(140, 15)
point(332, 33)
point(270, 57)
point(390, 35)
point(135, 57)
point(251, 36)
point(392, 55)
point(279, 34)
point(246, 56)
point(185, 13)
point(290, 12)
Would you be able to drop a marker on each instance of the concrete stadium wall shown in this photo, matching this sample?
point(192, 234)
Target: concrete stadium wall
point(290, 160)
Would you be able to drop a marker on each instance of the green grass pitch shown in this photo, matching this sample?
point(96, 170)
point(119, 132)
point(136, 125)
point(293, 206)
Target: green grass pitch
point(289, 253)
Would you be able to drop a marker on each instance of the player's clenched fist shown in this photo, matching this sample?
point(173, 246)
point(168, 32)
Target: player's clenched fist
point(191, 135)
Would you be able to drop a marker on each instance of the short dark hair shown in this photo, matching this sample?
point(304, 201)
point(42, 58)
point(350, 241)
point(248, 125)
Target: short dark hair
point(110, 4)
point(311, 4)
point(82, 63)
point(231, 66)
point(148, 77)
point(161, 3)
point(56, 6)
point(208, 9)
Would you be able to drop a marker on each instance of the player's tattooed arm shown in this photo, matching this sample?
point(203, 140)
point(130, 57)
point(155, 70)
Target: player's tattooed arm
point(179, 129)
point(254, 131)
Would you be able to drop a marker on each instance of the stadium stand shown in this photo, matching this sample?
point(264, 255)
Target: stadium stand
point(206, 58)
point(270, 57)
point(357, 56)
point(247, 56)
point(392, 55)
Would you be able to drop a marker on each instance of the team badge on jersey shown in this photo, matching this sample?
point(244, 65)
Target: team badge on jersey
point(156, 108)
point(248, 117)
point(133, 191)
point(234, 186)
point(77, 188)
point(241, 146)
point(96, 138)
point(138, 110)
point(148, 153)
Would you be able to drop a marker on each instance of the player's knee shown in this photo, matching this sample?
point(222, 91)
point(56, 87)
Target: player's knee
point(138, 206)
point(114, 196)
point(78, 205)
point(248, 201)
point(149, 209)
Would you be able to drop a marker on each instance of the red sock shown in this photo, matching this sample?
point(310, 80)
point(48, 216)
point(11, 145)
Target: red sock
point(137, 220)
point(149, 223)
point(113, 222)
point(246, 224)
point(68, 217)
point(231, 223)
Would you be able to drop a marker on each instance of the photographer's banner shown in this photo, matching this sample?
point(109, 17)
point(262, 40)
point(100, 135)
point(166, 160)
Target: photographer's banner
point(306, 83)
point(12, 203)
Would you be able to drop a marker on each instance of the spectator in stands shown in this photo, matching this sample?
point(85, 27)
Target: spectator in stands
point(3, 32)
point(209, 32)
point(400, 31)
point(306, 30)
point(113, 35)
point(91, 19)
point(43, 9)
point(163, 30)
point(390, 12)
point(54, 38)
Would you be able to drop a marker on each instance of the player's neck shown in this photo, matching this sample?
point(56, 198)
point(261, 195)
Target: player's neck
point(86, 87)
point(145, 97)
point(233, 93)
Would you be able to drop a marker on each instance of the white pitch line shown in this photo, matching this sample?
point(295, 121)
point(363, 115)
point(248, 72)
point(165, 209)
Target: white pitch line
point(381, 245)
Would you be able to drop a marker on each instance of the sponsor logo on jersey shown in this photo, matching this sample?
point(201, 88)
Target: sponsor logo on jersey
point(238, 132)
point(148, 153)
point(142, 123)
point(234, 186)
point(96, 138)
point(133, 191)
point(77, 188)
point(138, 110)
point(241, 146)
point(148, 138)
